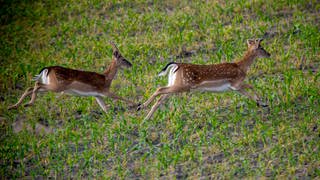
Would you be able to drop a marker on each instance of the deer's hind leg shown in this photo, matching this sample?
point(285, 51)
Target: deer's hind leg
point(23, 96)
point(161, 91)
point(156, 106)
point(38, 86)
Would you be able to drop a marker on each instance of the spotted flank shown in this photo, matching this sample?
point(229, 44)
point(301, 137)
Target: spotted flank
point(42, 77)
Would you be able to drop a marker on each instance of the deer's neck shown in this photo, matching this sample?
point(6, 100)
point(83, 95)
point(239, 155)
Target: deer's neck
point(246, 61)
point(111, 71)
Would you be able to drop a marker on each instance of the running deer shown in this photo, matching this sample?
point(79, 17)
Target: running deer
point(215, 77)
point(76, 82)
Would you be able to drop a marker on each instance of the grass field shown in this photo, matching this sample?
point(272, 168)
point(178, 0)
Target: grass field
point(195, 135)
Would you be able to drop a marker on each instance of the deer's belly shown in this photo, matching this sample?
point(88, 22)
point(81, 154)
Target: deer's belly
point(82, 93)
point(214, 86)
point(82, 89)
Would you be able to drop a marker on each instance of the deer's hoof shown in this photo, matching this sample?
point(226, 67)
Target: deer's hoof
point(139, 107)
point(133, 106)
point(12, 107)
point(261, 104)
point(26, 105)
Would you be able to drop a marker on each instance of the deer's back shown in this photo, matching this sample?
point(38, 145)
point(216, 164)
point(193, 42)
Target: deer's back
point(198, 73)
point(66, 76)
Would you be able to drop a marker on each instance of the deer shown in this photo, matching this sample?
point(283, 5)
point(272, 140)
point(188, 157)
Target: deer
point(77, 82)
point(185, 77)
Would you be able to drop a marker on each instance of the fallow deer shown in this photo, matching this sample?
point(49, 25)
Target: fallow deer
point(76, 82)
point(215, 77)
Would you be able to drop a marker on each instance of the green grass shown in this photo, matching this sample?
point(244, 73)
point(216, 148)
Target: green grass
point(197, 135)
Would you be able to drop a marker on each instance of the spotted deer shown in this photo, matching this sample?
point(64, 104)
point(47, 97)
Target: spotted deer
point(214, 78)
point(76, 82)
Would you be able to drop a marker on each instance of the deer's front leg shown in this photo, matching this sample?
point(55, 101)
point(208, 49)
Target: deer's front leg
point(242, 90)
point(102, 104)
point(156, 105)
point(24, 95)
point(37, 86)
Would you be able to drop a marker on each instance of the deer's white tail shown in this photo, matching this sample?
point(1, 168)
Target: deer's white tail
point(42, 77)
point(170, 68)
point(172, 65)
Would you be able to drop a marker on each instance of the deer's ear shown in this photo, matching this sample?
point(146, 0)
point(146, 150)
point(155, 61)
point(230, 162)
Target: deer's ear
point(114, 46)
point(116, 54)
point(250, 42)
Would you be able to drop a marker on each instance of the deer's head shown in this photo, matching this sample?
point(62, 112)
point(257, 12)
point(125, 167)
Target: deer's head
point(255, 47)
point(118, 58)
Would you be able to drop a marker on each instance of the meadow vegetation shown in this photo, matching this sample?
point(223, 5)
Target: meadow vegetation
point(198, 135)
